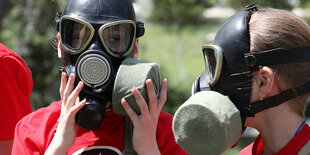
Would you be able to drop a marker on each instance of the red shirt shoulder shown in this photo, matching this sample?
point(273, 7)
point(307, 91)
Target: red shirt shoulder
point(15, 88)
point(35, 131)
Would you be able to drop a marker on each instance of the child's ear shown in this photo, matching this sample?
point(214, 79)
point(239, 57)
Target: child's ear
point(265, 81)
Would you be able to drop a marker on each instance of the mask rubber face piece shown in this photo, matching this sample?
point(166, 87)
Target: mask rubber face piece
point(95, 41)
point(235, 71)
point(235, 79)
point(110, 23)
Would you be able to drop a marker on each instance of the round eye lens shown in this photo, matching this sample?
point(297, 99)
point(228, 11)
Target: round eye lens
point(74, 34)
point(118, 38)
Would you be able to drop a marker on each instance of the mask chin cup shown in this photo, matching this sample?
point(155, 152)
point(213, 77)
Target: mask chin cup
point(91, 115)
point(133, 73)
point(207, 122)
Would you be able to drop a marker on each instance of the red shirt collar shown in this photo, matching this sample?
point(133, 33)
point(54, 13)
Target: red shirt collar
point(293, 146)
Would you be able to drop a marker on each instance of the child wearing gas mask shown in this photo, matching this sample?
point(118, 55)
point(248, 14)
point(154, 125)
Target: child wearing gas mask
point(15, 86)
point(96, 37)
point(260, 61)
point(282, 81)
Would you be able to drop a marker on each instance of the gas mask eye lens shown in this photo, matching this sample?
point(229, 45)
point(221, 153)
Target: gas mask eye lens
point(75, 34)
point(211, 59)
point(80, 35)
point(213, 62)
point(118, 37)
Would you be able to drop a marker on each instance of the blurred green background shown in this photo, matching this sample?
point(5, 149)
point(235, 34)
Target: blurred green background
point(175, 32)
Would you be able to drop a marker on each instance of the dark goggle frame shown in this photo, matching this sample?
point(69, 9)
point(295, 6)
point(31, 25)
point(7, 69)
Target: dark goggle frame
point(92, 33)
point(213, 71)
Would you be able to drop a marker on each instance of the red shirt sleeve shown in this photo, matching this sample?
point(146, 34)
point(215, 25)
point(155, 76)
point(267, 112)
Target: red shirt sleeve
point(25, 141)
point(165, 138)
point(34, 132)
point(15, 88)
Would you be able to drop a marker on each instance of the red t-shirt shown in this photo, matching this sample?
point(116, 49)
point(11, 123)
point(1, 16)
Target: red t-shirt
point(292, 148)
point(15, 88)
point(34, 133)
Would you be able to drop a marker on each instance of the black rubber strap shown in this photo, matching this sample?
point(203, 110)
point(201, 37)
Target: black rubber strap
point(272, 101)
point(277, 56)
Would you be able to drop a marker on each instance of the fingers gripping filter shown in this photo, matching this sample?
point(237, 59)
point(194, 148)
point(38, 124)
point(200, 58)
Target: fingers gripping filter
point(208, 122)
point(133, 73)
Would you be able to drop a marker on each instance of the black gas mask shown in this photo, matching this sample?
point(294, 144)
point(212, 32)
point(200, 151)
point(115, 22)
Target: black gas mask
point(212, 119)
point(95, 37)
point(229, 65)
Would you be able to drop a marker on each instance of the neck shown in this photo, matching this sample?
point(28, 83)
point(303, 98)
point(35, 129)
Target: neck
point(277, 126)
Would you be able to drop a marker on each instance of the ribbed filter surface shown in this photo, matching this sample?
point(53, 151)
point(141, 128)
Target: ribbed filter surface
point(94, 70)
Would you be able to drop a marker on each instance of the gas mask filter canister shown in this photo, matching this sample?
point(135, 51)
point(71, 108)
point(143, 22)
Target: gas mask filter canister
point(133, 73)
point(207, 122)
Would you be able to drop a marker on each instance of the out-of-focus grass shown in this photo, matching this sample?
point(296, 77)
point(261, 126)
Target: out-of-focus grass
point(159, 45)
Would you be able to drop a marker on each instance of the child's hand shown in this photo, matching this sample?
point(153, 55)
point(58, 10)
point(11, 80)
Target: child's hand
point(145, 125)
point(70, 105)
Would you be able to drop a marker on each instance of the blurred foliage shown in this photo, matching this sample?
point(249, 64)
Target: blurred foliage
point(177, 15)
point(240, 4)
point(304, 3)
point(27, 29)
point(4, 10)
point(158, 45)
point(180, 12)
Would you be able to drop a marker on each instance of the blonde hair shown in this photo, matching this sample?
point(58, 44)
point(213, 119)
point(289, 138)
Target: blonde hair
point(273, 28)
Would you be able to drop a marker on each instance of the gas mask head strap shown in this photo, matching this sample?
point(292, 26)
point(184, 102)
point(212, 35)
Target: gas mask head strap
point(276, 56)
point(276, 100)
point(140, 29)
point(57, 21)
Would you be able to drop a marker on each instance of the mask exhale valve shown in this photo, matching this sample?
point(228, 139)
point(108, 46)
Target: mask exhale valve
point(91, 115)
